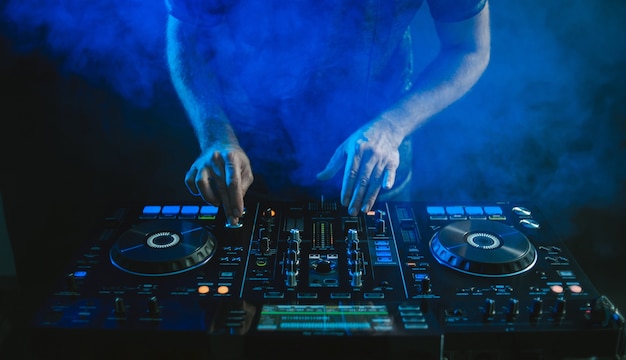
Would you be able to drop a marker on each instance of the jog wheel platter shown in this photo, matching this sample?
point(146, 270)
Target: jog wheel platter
point(163, 248)
point(484, 248)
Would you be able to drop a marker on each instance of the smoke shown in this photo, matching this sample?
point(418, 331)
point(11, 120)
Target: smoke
point(114, 42)
point(545, 123)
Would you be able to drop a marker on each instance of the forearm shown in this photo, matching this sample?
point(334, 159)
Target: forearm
point(461, 61)
point(196, 87)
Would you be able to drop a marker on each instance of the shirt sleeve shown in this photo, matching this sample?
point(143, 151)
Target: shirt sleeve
point(455, 10)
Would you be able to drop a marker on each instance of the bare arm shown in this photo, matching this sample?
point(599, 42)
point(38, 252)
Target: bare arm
point(371, 153)
point(222, 172)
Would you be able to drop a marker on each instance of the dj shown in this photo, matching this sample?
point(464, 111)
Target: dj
point(300, 89)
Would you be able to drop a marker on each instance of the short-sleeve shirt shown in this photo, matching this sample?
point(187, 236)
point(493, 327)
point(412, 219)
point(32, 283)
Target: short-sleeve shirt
point(299, 77)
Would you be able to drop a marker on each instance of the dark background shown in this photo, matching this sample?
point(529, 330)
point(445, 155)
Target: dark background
point(89, 120)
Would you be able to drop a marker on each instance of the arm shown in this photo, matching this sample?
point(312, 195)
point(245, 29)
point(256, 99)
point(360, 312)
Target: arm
point(222, 172)
point(372, 151)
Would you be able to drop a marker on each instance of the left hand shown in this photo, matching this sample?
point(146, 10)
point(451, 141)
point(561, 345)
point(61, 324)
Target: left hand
point(371, 158)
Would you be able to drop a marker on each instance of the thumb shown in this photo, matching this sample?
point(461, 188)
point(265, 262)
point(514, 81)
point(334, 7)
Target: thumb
point(334, 165)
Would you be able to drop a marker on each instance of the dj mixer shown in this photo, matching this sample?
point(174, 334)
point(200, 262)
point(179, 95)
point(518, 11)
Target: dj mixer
point(407, 280)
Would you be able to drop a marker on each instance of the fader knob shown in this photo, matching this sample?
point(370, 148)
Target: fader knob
point(425, 287)
point(120, 308)
point(265, 245)
point(512, 310)
point(153, 306)
point(380, 223)
point(536, 308)
point(558, 311)
point(490, 309)
point(70, 280)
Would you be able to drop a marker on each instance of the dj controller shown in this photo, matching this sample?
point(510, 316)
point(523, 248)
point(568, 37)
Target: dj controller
point(405, 280)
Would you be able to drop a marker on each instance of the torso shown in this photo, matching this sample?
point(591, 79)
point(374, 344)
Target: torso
point(298, 77)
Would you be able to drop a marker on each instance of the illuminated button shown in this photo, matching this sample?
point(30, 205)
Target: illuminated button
point(189, 211)
point(80, 274)
point(222, 289)
point(493, 210)
point(474, 210)
point(530, 224)
point(557, 289)
point(151, 211)
point(261, 262)
point(227, 274)
point(521, 211)
point(203, 289)
point(208, 212)
point(454, 210)
point(576, 289)
point(565, 273)
point(170, 211)
point(435, 210)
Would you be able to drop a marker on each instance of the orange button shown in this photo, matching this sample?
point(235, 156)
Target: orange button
point(576, 288)
point(222, 289)
point(203, 289)
point(556, 289)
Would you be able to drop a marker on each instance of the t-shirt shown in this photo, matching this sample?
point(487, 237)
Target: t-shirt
point(300, 76)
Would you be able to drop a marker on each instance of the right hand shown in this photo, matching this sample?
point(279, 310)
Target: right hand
point(222, 175)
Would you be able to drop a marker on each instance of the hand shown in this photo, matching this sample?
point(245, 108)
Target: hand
point(371, 158)
point(222, 175)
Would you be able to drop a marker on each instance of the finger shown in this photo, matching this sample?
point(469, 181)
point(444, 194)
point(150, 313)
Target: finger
point(190, 181)
point(334, 165)
point(233, 183)
point(218, 173)
point(350, 174)
point(390, 177)
point(362, 184)
point(203, 184)
point(373, 189)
